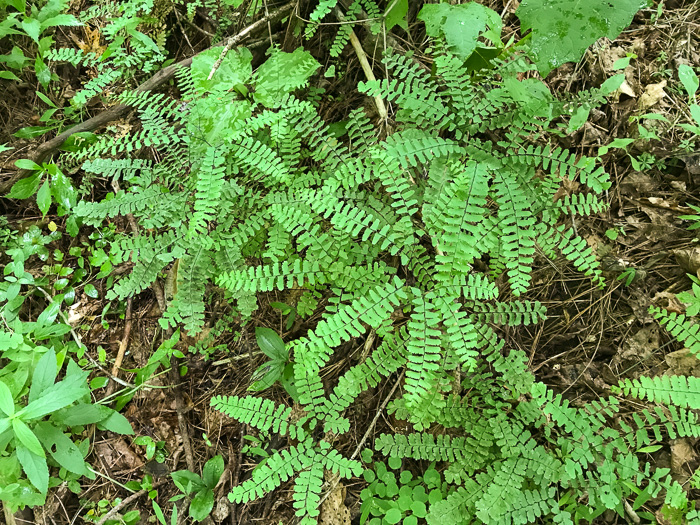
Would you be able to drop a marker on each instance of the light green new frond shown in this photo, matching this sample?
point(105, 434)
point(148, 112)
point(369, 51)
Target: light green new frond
point(187, 306)
point(210, 181)
point(680, 327)
point(335, 462)
point(582, 204)
point(516, 223)
point(361, 132)
point(278, 243)
point(261, 160)
point(277, 469)
point(683, 391)
point(411, 148)
point(513, 313)
point(372, 308)
point(307, 492)
point(149, 255)
point(273, 276)
point(423, 446)
point(386, 359)
point(257, 412)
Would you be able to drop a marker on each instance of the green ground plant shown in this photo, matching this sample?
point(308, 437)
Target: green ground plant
point(424, 236)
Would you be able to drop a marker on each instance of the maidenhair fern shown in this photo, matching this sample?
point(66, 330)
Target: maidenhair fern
point(422, 236)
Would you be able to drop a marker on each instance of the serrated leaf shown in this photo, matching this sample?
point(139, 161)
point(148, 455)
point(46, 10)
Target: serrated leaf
point(61, 395)
point(35, 467)
point(271, 344)
point(562, 30)
point(32, 27)
point(25, 188)
point(462, 25)
point(235, 69)
point(60, 20)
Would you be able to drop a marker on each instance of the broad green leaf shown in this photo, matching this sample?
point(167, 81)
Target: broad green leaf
point(187, 481)
point(201, 504)
point(27, 437)
point(612, 84)
point(396, 15)
point(271, 344)
point(44, 375)
point(281, 74)
point(63, 191)
point(61, 448)
point(8, 75)
point(32, 27)
point(59, 396)
point(35, 467)
point(49, 314)
point(563, 29)
point(7, 403)
point(31, 132)
point(5, 424)
point(60, 20)
point(117, 423)
point(462, 25)
point(689, 79)
point(27, 164)
point(235, 69)
point(43, 198)
point(270, 371)
point(25, 188)
point(82, 414)
point(212, 471)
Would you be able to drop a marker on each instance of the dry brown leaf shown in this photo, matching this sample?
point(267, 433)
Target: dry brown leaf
point(652, 95)
point(681, 453)
point(641, 345)
point(333, 509)
point(688, 259)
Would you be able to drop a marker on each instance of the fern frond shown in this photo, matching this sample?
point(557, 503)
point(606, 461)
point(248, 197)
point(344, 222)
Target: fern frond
point(260, 413)
point(277, 469)
point(680, 327)
point(683, 391)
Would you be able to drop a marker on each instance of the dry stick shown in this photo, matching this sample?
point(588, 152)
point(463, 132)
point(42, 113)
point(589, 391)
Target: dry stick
point(113, 113)
point(362, 57)
point(123, 344)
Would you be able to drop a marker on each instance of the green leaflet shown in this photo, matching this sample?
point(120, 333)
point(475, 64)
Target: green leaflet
point(563, 29)
point(462, 25)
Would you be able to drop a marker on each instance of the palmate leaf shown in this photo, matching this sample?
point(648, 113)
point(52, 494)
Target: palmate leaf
point(563, 29)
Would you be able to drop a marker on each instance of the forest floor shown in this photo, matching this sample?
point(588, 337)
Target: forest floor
point(591, 339)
